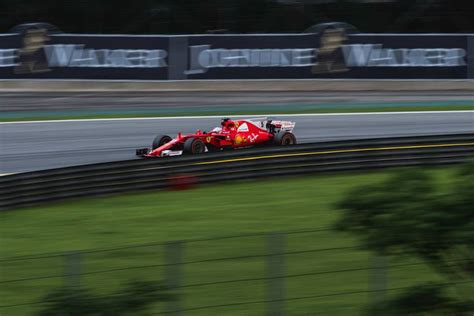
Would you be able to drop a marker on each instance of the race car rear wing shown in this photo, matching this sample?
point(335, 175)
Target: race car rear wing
point(285, 126)
point(276, 125)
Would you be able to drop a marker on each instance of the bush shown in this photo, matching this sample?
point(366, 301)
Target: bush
point(133, 299)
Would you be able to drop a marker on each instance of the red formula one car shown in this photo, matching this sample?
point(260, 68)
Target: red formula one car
point(230, 135)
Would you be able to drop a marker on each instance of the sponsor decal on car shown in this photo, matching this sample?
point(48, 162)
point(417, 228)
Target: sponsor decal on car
point(253, 137)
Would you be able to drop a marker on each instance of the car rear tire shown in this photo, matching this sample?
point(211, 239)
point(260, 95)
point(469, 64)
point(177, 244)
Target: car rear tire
point(285, 139)
point(194, 146)
point(160, 140)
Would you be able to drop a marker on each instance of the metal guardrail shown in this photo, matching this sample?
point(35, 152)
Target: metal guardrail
point(37, 187)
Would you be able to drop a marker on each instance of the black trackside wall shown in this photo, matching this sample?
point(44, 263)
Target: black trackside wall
point(259, 56)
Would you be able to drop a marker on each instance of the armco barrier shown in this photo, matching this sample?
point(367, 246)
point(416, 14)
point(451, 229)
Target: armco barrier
point(135, 175)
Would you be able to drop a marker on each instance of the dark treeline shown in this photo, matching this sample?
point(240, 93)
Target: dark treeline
point(238, 16)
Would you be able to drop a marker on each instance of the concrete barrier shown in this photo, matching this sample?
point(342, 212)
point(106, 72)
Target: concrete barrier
point(238, 85)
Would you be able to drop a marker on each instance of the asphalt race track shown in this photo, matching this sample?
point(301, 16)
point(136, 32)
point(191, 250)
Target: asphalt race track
point(44, 145)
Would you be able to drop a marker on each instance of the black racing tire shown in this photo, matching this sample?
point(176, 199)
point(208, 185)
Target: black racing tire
point(285, 139)
point(194, 146)
point(160, 140)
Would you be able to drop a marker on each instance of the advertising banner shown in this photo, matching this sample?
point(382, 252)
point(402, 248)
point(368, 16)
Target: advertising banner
point(406, 56)
point(38, 55)
point(330, 54)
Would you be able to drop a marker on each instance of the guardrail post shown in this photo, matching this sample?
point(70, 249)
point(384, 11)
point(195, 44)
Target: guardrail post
point(275, 270)
point(173, 267)
point(72, 270)
point(378, 280)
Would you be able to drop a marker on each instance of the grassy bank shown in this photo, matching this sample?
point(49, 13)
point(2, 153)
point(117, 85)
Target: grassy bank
point(229, 110)
point(328, 274)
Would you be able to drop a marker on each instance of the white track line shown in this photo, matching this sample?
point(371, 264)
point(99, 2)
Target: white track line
point(233, 116)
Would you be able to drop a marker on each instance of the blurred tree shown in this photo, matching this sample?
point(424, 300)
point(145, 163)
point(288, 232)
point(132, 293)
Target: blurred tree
point(409, 214)
point(406, 214)
point(422, 300)
point(131, 300)
point(238, 16)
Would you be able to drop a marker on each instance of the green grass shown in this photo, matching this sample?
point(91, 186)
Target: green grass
point(284, 204)
point(239, 110)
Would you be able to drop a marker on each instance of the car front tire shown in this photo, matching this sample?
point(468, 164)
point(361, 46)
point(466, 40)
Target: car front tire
point(160, 140)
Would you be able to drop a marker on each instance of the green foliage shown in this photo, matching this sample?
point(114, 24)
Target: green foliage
point(426, 299)
point(132, 300)
point(411, 214)
point(408, 214)
point(387, 215)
